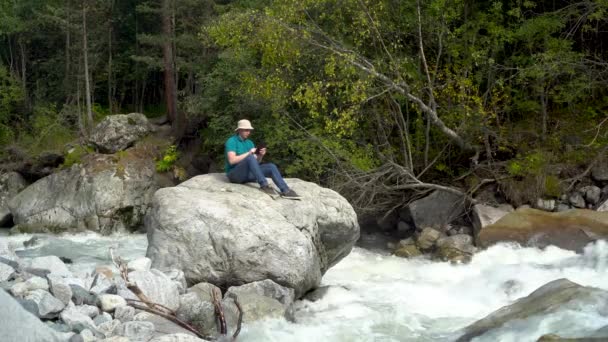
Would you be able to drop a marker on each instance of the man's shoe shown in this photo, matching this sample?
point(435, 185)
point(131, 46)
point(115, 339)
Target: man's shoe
point(290, 194)
point(269, 191)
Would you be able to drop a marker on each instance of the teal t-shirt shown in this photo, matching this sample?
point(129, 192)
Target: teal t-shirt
point(236, 144)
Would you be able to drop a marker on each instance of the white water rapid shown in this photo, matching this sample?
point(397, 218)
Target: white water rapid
point(375, 297)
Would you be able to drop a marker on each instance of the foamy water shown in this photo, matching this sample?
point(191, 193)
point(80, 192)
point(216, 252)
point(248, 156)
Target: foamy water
point(384, 298)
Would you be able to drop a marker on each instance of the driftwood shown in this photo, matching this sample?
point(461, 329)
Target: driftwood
point(169, 314)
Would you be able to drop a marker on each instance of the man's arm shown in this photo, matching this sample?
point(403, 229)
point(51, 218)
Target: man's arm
point(233, 159)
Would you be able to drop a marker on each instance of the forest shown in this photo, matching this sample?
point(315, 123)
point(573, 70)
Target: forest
point(377, 99)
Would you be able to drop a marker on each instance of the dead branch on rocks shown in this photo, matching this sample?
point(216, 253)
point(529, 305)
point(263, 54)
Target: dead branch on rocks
point(219, 311)
point(172, 318)
point(240, 321)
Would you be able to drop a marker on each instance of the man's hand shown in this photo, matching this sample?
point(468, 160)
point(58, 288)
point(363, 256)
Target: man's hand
point(252, 151)
point(262, 152)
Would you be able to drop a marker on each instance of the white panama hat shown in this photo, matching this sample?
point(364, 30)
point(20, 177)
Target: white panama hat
point(243, 124)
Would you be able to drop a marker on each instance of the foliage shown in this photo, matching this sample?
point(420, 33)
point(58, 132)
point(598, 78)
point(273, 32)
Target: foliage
point(168, 159)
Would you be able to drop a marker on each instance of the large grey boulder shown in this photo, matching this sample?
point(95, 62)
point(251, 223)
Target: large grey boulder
point(102, 194)
point(555, 296)
point(17, 324)
point(76, 320)
point(600, 171)
point(118, 132)
point(197, 309)
point(52, 264)
point(436, 210)
point(232, 234)
point(6, 272)
point(11, 183)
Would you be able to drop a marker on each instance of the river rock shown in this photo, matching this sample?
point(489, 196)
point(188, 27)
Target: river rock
point(60, 288)
point(6, 272)
point(141, 264)
point(198, 310)
point(42, 304)
point(255, 307)
point(572, 229)
point(603, 206)
point(11, 183)
point(118, 132)
point(179, 278)
point(455, 248)
point(427, 238)
point(407, 251)
point(231, 234)
point(102, 318)
point(436, 210)
point(157, 287)
point(17, 324)
point(102, 194)
point(52, 264)
point(109, 302)
point(89, 310)
point(76, 320)
point(136, 330)
point(110, 328)
point(203, 290)
point(577, 200)
point(124, 313)
point(81, 296)
point(485, 215)
point(557, 295)
point(266, 288)
point(591, 193)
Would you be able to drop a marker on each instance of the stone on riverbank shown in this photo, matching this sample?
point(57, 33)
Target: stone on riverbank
point(231, 234)
point(571, 229)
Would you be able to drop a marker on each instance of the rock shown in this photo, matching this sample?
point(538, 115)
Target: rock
point(6, 272)
point(545, 204)
point(37, 283)
point(577, 200)
point(179, 278)
point(317, 294)
point(408, 251)
point(76, 320)
point(116, 339)
point(599, 172)
point(603, 206)
point(177, 338)
point(6, 251)
point(406, 242)
point(203, 291)
point(106, 271)
point(267, 288)
point(109, 302)
point(81, 296)
point(89, 310)
point(236, 236)
point(102, 284)
point(484, 215)
point(141, 264)
point(162, 325)
point(197, 309)
point(136, 330)
point(102, 318)
point(60, 288)
point(11, 184)
point(254, 306)
point(558, 295)
point(591, 193)
point(52, 264)
point(157, 287)
point(455, 248)
point(562, 207)
point(124, 313)
point(20, 325)
point(19, 289)
point(110, 328)
point(388, 222)
point(404, 227)
point(571, 229)
point(100, 194)
point(118, 132)
point(427, 238)
point(436, 210)
point(88, 336)
point(42, 304)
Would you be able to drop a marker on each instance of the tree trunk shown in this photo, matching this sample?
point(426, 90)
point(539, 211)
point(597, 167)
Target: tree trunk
point(169, 66)
point(87, 84)
point(110, 91)
point(26, 98)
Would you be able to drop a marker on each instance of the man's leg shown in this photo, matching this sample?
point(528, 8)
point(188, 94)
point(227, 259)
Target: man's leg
point(248, 170)
point(271, 170)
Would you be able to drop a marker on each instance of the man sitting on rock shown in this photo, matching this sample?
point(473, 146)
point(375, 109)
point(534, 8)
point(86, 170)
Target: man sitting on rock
point(243, 163)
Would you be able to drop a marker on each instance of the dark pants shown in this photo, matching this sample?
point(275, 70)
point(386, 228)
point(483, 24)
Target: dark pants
point(250, 170)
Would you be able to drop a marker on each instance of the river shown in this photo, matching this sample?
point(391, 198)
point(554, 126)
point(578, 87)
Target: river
point(378, 297)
